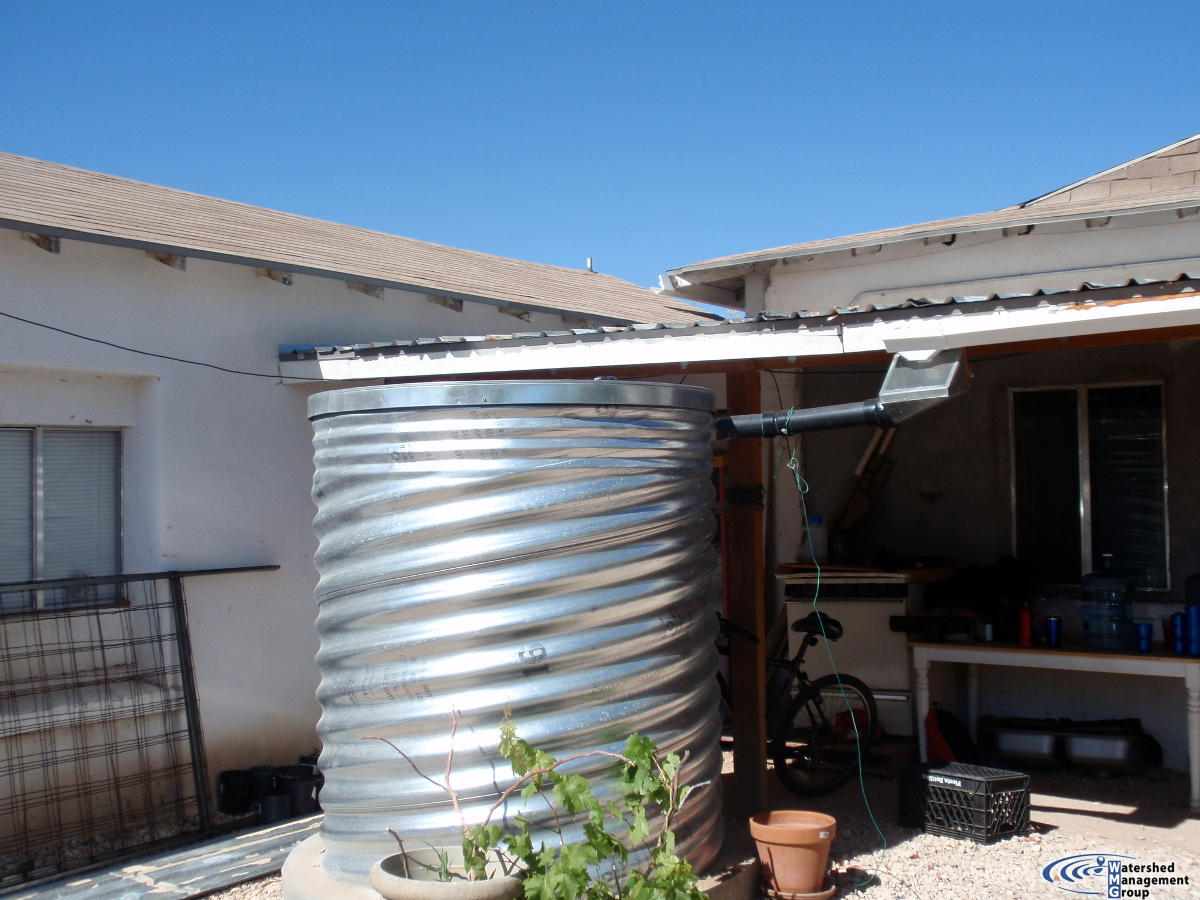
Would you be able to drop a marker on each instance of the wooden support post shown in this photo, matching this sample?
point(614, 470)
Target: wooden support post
point(746, 600)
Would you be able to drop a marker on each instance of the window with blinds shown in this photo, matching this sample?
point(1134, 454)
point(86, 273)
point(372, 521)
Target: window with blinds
point(60, 510)
point(1090, 479)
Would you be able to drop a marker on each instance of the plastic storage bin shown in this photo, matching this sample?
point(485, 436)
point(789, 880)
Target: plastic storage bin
point(1114, 753)
point(1040, 747)
point(961, 800)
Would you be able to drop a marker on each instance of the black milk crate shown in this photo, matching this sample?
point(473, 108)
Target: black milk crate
point(962, 800)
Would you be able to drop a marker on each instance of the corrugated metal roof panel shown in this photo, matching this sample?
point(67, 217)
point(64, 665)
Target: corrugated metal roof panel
point(765, 321)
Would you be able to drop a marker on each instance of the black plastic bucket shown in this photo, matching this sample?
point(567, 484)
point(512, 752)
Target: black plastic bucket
point(275, 808)
point(264, 782)
point(300, 783)
point(235, 792)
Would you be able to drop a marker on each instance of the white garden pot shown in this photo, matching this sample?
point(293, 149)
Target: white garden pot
point(388, 878)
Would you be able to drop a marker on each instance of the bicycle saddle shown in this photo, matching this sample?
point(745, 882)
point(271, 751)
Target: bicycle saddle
point(819, 623)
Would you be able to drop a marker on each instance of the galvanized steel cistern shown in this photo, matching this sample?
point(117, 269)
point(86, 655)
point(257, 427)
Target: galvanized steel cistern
point(537, 547)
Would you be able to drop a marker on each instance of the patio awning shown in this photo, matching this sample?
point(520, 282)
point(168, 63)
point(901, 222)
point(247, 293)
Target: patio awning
point(917, 325)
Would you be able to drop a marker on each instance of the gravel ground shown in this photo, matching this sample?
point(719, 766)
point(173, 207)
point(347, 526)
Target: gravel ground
point(1144, 817)
point(928, 866)
point(262, 889)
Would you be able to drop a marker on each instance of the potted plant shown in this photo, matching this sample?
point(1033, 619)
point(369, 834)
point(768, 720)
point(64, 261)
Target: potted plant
point(593, 867)
point(793, 850)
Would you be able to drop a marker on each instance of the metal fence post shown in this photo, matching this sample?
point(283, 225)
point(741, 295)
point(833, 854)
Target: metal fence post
point(183, 642)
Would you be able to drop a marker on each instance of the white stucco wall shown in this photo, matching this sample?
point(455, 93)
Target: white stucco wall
point(1051, 256)
point(949, 494)
point(217, 467)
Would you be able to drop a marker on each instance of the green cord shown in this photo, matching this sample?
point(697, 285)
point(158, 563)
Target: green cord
point(803, 488)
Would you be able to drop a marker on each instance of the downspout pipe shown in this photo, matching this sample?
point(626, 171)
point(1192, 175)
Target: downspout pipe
point(912, 385)
point(819, 418)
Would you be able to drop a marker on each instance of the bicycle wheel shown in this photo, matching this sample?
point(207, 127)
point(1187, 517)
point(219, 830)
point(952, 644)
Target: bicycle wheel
point(815, 747)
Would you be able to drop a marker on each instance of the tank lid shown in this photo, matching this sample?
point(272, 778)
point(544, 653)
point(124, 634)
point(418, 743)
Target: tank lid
point(433, 394)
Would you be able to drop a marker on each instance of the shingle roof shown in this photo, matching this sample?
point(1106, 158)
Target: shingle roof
point(1174, 166)
point(1168, 178)
point(60, 200)
point(1010, 217)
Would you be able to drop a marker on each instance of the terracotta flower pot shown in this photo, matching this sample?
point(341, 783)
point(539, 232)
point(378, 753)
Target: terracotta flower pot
point(388, 878)
point(793, 848)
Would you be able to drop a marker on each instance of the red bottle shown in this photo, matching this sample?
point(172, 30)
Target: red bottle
point(1026, 625)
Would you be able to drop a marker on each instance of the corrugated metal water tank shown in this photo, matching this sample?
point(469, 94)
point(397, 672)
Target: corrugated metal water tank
point(539, 546)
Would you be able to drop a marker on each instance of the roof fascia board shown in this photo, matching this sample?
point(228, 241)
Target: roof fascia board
point(774, 256)
point(264, 263)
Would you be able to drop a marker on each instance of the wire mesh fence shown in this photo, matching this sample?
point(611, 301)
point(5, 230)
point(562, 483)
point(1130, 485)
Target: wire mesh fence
point(100, 747)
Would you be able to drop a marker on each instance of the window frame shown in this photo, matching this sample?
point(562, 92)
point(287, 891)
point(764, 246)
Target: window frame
point(1084, 487)
point(37, 504)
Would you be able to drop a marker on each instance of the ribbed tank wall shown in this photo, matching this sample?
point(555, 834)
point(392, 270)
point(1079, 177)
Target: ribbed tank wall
point(537, 547)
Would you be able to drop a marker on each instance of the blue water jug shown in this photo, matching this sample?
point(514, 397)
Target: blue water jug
point(1107, 607)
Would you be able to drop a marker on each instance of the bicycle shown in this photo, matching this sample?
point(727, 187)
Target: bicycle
point(817, 729)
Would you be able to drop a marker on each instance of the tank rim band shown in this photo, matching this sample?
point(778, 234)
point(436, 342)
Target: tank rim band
point(558, 392)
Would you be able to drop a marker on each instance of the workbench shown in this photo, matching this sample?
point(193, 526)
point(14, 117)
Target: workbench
point(1069, 659)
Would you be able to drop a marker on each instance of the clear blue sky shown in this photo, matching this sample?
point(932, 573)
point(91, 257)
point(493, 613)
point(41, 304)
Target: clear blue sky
point(646, 135)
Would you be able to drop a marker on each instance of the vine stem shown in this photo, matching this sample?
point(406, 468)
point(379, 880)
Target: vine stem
point(507, 792)
point(445, 784)
point(562, 841)
point(403, 855)
point(408, 759)
point(546, 770)
point(449, 767)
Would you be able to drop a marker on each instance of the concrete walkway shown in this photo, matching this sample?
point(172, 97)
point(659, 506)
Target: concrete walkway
point(191, 872)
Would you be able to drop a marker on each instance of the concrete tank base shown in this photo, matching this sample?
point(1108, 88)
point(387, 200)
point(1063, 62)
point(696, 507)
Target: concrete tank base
point(304, 879)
